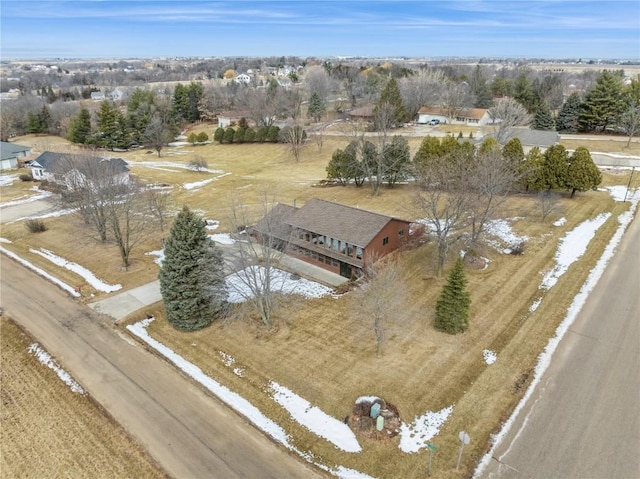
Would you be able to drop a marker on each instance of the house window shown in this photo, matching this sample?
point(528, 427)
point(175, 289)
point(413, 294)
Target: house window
point(385, 241)
point(335, 262)
point(350, 250)
point(401, 233)
point(359, 252)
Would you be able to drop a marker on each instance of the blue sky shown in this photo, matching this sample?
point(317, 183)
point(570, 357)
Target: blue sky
point(426, 28)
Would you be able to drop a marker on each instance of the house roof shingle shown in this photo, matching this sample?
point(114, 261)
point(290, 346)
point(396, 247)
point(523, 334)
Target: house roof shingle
point(353, 225)
point(539, 138)
point(9, 150)
point(48, 159)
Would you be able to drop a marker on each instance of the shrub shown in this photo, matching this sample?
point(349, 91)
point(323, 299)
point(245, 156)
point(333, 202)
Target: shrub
point(202, 137)
point(229, 133)
point(198, 164)
point(249, 135)
point(26, 177)
point(192, 138)
point(517, 249)
point(238, 137)
point(261, 134)
point(35, 226)
point(219, 135)
point(273, 134)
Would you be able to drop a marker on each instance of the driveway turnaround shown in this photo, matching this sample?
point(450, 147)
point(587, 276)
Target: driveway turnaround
point(188, 432)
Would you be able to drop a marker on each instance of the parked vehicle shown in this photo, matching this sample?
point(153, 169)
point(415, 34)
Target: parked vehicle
point(434, 121)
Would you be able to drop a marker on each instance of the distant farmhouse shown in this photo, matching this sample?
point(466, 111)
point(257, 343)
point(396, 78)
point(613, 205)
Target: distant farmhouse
point(338, 238)
point(66, 168)
point(10, 154)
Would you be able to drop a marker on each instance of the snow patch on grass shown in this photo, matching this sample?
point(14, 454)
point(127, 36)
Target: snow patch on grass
point(560, 222)
point(45, 358)
point(415, 436)
point(72, 291)
point(506, 238)
point(572, 247)
point(87, 275)
point(223, 238)
point(314, 419)
point(489, 356)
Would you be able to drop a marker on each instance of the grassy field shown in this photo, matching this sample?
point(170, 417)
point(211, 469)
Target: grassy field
point(49, 431)
point(317, 348)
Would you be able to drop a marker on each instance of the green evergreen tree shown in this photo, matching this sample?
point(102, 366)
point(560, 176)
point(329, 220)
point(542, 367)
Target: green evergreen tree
point(202, 137)
point(530, 171)
point(567, 120)
point(524, 93)
point(80, 128)
point(430, 150)
point(238, 136)
point(191, 278)
point(604, 103)
point(481, 89)
point(555, 166)
point(338, 167)
point(261, 134)
point(488, 145)
point(582, 172)
point(389, 111)
point(316, 107)
point(45, 119)
point(192, 138)
point(219, 135)
point(249, 135)
point(513, 151)
point(34, 126)
point(543, 120)
point(273, 134)
point(229, 133)
point(452, 307)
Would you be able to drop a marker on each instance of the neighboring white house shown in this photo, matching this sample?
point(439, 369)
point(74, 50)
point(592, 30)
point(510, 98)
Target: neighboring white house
point(466, 116)
point(10, 154)
point(243, 78)
point(230, 118)
point(118, 94)
point(59, 168)
point(97, 96)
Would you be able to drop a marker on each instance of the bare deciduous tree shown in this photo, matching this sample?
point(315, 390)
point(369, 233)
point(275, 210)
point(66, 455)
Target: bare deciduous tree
point(445, 199)
point(198, 163)
point(257, 256)
point(158, 202)
point(507, 114)
point(127, 222)
point(491, 181)
point(317, 80)
point(294, 136)
point(548, 202)
point(375, 304)
point(423, 89)
point(456, 98)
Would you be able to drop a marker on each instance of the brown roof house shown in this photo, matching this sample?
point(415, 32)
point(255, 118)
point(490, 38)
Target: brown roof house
point(336, 237)
point(466, 116)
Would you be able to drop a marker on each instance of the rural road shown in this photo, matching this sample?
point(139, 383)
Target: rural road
point(583, 421)
point(188, 432)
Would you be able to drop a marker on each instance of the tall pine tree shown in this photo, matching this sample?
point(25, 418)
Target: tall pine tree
point(582, 172)
point(389, 111)
point(316, 107)
point(604, 103)
point(543, 120)
point(452, 307)
point(192, 275)
point(568, 117)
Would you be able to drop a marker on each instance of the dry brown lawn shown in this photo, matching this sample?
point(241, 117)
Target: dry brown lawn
point(49, 431)
point(319, 350)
